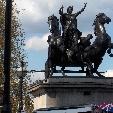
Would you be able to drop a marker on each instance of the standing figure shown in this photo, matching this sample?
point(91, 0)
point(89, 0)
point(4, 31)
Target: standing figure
point(69, 26)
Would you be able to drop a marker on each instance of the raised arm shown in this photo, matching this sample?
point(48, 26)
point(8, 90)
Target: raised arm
point(61, 10)
point(79, 12)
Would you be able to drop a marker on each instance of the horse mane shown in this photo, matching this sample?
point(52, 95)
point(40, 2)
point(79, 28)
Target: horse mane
point(97, 16)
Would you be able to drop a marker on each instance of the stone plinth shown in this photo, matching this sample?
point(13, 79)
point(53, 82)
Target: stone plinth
point(72, 91)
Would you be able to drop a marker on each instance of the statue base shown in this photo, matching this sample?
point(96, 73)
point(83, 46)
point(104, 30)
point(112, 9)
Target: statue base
point(72, 91)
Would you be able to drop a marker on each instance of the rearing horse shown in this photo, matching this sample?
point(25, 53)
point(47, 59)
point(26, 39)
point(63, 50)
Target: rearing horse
point(95, 52)
point(56, 47)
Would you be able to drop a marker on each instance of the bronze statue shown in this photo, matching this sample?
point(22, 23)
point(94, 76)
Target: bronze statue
point(69, 25)
point(95, 52)
point(65, 50)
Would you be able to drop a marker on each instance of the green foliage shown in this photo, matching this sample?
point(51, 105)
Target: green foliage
point(17, 55)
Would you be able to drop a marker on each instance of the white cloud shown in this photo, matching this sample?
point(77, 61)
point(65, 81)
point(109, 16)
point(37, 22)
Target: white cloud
point(37, 43)
point(40, 43)
point(109, 73)
point(33, 9)
point(37, 11)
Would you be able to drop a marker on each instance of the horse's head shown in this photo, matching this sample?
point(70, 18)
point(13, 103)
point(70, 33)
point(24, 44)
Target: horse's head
point(99, 29)
point(102, 19)
point(53, 24)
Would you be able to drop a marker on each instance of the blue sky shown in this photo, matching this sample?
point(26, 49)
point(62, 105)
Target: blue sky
point(34, 14)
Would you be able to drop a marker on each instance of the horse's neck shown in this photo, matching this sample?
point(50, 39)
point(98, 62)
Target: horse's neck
point(55, 29)
point(99, 30)
point(56, 33)
point(102, 38)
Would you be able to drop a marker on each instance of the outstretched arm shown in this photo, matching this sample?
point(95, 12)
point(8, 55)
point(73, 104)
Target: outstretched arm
point(79, 12)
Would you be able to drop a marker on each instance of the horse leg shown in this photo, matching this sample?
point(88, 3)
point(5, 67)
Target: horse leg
point(51, 72)
point(89, 69)
point(96, 65)
point(69, 54)
point(88, 73)
point(82, 67)
point(99, 74)
point(49, 66)
point(47, 70)
point(62, 71)
point(109, 50)
point(51, 60)
point(53, 69)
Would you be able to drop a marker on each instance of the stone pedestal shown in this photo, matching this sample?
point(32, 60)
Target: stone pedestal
point(72, 91)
